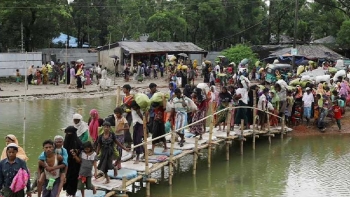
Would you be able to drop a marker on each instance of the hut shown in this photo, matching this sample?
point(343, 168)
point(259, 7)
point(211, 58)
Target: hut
point(131, 52)
point(312, 52)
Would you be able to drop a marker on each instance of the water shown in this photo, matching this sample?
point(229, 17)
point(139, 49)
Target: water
point(298, 166)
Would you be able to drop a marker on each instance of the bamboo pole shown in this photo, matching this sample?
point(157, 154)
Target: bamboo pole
point(162, 174)
point(268, 127)
point(80, 111)
point(242, 137)
point(195, 156)
point(254, 117)
point(171, 158)
point(210, 138)
point(228, 129)
point(118, 96)
point(124, 180)
point(148, 184)
point(282, 131)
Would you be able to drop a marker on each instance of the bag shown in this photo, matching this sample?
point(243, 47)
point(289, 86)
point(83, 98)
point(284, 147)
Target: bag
point(168, 106)
point(158, 97)
point(19, 182)
point(191, 106)
point(143, 101)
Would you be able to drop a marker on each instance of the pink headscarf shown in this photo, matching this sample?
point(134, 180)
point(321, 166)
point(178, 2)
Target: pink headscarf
point(93, 126)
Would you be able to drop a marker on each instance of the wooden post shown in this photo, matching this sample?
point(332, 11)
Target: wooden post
point(254, 117)
point(242, 137)
point(210, 139)
point(228, 129)
point(162, 174)
point(118, 97)
point(148, 184)
point(124, 180)
point(171, 158)
point(195, 156)
point(282, 129)
point(268, 127)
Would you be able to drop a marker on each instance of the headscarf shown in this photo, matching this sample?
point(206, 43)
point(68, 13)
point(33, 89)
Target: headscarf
point(93, 126)
point(173, 90)
point(71, 141)
point(187, 91)
point(20, 154)
point(82, 126)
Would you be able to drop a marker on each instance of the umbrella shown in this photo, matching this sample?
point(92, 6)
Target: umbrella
point(114, 56)
point(221, 56)
point(182, 54)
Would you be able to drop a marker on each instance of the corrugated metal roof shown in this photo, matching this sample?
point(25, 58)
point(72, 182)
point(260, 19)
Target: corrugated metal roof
point(153, 47)
point(310, 51)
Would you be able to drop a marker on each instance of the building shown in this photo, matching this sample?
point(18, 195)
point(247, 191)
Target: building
point(130, 52)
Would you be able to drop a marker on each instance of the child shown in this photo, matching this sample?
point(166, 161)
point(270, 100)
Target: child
point(337, 113)
point(18, 76)
point(137, 119)
point(121, 126)
point(158, 125)
point(87, 160)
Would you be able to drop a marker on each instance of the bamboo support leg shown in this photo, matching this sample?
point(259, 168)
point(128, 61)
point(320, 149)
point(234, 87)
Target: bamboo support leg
point(255, 123)
point(162, 173)
point(242, 137)
point(282, 129)
point(124, 180)
point(210, 139)
point(195, 156)
point(228, 129)
point(268, 127)
point(171, 158)
point(148, 184)
point(118, 97)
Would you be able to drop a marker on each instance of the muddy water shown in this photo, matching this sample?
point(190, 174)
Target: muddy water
point(298, 166)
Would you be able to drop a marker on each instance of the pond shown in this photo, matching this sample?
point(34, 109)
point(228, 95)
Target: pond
point(296, 166)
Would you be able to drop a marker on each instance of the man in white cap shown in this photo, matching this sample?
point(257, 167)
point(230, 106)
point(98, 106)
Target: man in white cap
point(308, 99)
point(8, 170)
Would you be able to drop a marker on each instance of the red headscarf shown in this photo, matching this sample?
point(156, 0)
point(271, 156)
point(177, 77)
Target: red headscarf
point(93, 126)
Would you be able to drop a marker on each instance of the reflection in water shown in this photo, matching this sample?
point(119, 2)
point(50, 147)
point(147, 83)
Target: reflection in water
point(308, 166)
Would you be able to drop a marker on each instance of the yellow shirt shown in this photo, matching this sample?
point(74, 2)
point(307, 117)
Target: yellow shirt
point(119, 124)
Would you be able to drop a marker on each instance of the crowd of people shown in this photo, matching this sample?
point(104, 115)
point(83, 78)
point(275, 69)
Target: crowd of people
point(67, 162)
point(77, 75)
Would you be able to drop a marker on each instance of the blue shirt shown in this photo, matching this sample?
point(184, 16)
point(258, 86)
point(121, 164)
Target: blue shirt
point(63, 153)
point(8, 171)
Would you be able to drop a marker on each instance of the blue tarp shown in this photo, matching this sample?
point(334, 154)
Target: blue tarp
point(62, 38)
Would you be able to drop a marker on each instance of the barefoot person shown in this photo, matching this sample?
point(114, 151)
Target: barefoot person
point(121, 126)
point(8, 168)
point(51, 170)
point(73, 144)
point(87, 160)
point(106, 144)
point(158, 125)
point(137, 120)
point(63, 167)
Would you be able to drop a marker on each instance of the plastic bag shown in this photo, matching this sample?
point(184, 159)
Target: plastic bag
point(167, 126)
point(168, 106)
point(191, 105)
point(20, 180)
point(143, 101)
point(300, 70)
point(158, 97)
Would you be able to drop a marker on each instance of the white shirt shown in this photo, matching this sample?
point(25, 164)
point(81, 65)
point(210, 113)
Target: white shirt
point(217, 69)
point(308, 99)
point(98, 70)
point(135, 117)
point(244, 94)
point(104, 74)
point(262, 102)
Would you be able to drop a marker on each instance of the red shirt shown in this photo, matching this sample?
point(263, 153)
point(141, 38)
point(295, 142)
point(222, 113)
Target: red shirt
point(159, 114)
point(337, 112)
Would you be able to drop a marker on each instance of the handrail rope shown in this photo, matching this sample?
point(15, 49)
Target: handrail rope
point(227, 108)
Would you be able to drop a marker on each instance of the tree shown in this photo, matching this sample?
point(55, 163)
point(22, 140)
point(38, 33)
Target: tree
point(343, 36)
point(166, 26)
point(40, 21)
point(238, 53)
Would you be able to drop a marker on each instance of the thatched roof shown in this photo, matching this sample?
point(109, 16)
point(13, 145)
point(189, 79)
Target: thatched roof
point(325, 40)
point(310, 51)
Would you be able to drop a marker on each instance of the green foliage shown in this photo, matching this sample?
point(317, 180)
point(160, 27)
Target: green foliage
point(239, 52)
point(343, 36)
